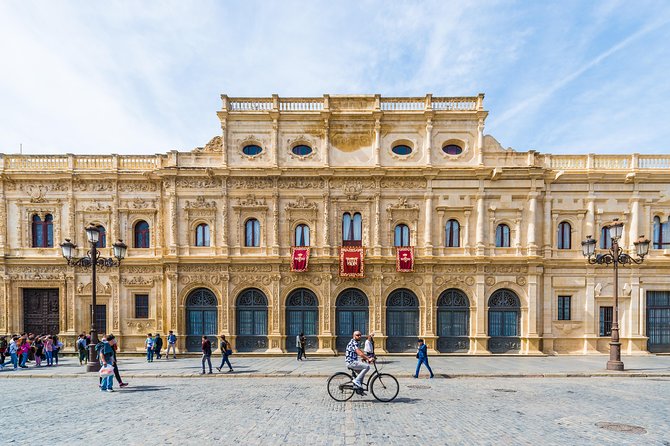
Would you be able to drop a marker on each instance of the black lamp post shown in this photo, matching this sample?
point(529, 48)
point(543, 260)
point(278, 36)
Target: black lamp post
point(615, 256)
point(92, 260)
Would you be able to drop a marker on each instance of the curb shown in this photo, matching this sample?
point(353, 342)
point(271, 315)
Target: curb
point(327, 375)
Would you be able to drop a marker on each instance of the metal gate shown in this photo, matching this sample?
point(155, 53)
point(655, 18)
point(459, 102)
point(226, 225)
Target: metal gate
point(504, 312)
point(658, 321)
point(252, 321)
point(201, 319)
point(40, 310)
point(302, 316)
point(351, 314)
point(402, 321)
point(453, 312)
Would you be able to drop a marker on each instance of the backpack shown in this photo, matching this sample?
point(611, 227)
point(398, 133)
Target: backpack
point(99, 346)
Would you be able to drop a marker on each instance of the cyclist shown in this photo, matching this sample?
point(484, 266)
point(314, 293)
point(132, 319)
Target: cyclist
point(357, 360)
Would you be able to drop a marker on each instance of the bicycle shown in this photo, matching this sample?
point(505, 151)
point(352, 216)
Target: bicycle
point(384, 386)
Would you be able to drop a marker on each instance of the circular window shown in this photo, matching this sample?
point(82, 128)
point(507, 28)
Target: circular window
point(302, 150)
point(452, 149)
point(401, 149)
point(252, 150)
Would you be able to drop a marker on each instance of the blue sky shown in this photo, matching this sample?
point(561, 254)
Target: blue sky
point(134, 77)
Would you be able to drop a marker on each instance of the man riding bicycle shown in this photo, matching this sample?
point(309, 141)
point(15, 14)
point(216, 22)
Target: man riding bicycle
point(353, 353)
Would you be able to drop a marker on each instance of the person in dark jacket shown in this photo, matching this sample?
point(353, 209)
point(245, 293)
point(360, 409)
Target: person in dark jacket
point(158, 345)
point(422, 356)
point(206, 354)
point(226, 351)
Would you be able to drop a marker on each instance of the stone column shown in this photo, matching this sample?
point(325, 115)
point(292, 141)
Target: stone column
point(546, 227)
point(480, 240)
point(532, 218)
point(428, 146)
point(275, 221)
point(224, 143)
point(428, 229)
point(326, 142)
point(466, 233)
point(377, 232)
point(3, 219)
point(173, 222)
point(480, 142)
point(591, 217)
point(378, 144)
point(225, 226)
point(274, 139)
point(634, 232)
point(326, 220)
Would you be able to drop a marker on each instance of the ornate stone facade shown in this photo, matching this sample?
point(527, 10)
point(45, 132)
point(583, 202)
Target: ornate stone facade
point(352, 167)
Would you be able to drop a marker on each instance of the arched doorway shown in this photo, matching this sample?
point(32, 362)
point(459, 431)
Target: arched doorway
point(504, 318)
point(201, 318)
point(302, 316)
point(351, 313)
point(402, 321)
point(252, 321)
point(452, 321)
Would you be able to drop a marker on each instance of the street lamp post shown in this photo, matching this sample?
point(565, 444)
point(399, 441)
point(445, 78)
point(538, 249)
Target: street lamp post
point(92, 260)
point(615, 256)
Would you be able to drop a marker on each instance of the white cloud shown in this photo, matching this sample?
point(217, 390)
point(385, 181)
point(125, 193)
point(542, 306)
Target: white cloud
point(128, 77)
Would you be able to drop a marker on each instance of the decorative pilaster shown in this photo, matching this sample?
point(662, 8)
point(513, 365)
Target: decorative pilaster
point(428, 229)
point(428, 147)
point(480, 241)
point(480, 142)
point(376, 251)
point(532, 218)
point(466, 233)
point(378, 144)
point(634, 232)
point(275, 220)
point(546, 227)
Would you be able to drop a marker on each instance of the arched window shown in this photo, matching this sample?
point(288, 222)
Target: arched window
point(302, 235)
point(502, 236)
point(453, 236)
point(202, 235)
point(43, 235)
point(141, 234)
point(564, 235)
point(352, 229)
point(252, 233)
point(401, 237)
point(605, 238)
point(661, 233)
point(102, 238)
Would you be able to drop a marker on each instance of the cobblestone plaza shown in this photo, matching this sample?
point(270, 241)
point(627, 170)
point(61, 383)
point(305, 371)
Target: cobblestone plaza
point(295, 411)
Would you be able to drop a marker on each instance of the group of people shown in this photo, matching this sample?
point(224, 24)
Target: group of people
point(154, 346)
point(224, 347)
point(28, 347)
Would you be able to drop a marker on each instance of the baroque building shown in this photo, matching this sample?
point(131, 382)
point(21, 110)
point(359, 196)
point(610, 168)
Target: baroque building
point(325, 215)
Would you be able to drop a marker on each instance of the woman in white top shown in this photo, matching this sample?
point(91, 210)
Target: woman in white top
point(369, 349)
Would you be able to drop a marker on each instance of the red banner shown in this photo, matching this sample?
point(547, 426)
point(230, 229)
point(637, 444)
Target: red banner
point(299, 258)
point(351, 261)
point(404, 259)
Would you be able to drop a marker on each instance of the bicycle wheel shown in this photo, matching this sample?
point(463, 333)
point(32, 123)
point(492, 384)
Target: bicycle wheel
point(384, 387)
point(340, 387)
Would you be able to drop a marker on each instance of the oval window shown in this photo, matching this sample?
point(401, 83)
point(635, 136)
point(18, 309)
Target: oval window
point(302, 150)
point(252, 150)
point(452, 149)
point(401, 149)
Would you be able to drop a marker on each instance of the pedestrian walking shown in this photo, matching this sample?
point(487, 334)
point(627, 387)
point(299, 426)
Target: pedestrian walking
point(158, 345)
point(171, 345)
point(303, 345)
point(82, 348)
point(226, 351)
point(39, 351)
point(13, 350)
point(149, 345)
point(58, 346)
point(3, 349)
point(298, 345)
point(422, 356)
point(206, 354)
point(115, 347)
point(24, 349)
point(106, 356)
point(369, 348)
point(49, 350)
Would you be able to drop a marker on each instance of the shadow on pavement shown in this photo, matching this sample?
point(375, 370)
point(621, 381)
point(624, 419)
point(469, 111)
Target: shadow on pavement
point(144, 389)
